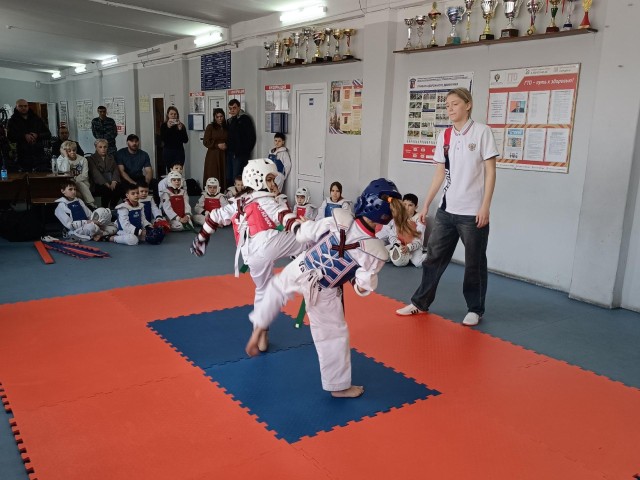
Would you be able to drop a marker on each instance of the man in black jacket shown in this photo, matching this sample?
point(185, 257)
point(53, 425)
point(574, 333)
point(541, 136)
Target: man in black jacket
point(30, 134)
point(240, 140)
point(63, 136)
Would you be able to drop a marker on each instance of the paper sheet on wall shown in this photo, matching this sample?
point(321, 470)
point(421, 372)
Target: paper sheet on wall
point(84, 114)
point(115, 110)
point(345, 107)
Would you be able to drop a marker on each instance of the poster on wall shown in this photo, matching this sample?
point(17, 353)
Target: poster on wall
point(531, 113)
point(345, 107)
point(238, 94)
point(426, 114)
point(196, 102)
point(144, 103)
point(64, 113)
point(276, 98)
point(215, 71)
point(84, 114)
point(115, 109)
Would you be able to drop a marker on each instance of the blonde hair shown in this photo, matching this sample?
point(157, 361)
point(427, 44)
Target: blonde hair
point(464, 95)
point(401, 218)
point(100, 141)
point(68, 145)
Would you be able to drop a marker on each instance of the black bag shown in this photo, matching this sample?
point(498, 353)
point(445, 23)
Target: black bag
point(193, 189)
point(21, 226)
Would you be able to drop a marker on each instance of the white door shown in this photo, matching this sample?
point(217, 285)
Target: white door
point(311, 132)
point(216, 99)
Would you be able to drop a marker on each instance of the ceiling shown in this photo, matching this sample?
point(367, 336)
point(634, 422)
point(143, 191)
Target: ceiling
point(48, 35)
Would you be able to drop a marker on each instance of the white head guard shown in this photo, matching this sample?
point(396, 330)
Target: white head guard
point(172, 175)
point(303, 192)
point(398, 258)
point(101, 216)
point(255, 173)
point(213, 182)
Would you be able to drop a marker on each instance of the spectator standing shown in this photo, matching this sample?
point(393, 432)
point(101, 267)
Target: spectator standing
point(215, 139)
point(241, 139)
point(105, 127)
point(29, 132)
point(173, 134)
point(105, 175)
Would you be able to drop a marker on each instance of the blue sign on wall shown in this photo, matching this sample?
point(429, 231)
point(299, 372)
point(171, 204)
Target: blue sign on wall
point(215, 71)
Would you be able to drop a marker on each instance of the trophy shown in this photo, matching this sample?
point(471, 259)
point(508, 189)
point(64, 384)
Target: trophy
point(348, 32)
point(297, 38)
point(307, 33)
point(318, 39)
point(409, 23)
point(533, 7)
point(567, 23)
point(277, 49)
point(488, 8)
point(328, 32)
point(511, 10)
point(268, 46)
point(420, 21)
point(586, 6)
point(433, 15)
point(454, 14)
point(552, 28)
point(286, 43)
point(468, 5)
point(337, 36)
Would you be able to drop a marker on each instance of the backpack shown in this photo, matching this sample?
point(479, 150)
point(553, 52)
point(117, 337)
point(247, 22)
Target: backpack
point(21, 226)
point(193, 189)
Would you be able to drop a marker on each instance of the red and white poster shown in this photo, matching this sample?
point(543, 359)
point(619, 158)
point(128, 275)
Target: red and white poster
point(196, 102)
point(276, 98)
point(426, 114)
point(531, 112)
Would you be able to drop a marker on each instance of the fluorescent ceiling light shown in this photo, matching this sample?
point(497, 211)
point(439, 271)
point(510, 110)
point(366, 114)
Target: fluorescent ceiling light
point(207, 39)
point(303, 14)
point(81, 69)
point(109, 61)
point(56, 74)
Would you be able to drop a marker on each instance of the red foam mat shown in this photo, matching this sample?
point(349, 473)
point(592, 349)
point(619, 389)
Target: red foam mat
point(100, 396)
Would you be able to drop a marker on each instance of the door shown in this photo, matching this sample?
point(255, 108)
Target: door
point(216, 99)
point(311, 132)
point(158, 119)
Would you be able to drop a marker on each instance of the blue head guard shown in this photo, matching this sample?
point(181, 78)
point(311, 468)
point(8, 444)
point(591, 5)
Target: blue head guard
point(154, 236)
point(373, 203)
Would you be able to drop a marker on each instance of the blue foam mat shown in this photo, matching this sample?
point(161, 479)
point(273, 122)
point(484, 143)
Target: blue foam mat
point(218, 337)
point(284, 390)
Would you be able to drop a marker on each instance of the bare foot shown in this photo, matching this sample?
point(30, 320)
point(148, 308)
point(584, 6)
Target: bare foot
point(353, 391)
point(252, 345)
point(263, 341)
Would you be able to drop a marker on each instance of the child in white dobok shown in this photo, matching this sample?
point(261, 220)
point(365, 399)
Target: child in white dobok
point(257, 220)
point(405, 249)
point(175, 203)
point(344, 249)
point(304, 210)
point(211, 199)
point(74, 215)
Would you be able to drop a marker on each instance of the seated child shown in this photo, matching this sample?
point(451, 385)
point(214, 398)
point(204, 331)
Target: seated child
point(175, 204)
point(164, 183)
point(151, 211)
point(103, 218)
point(402, 249)
point(334, 200)
point(280, 156)
point(70, 162)
point(303, 208)
point(237, 187)
point(74, 215)
point(211, 199)
point(131, 222)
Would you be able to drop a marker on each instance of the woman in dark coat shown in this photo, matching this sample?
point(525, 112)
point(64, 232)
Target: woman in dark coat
point(215, 139)
point(105, 175)
point(173, 134)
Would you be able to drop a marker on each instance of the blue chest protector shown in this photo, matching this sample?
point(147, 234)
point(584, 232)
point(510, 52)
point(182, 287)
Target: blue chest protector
point(331, 257)
point(135, 217)
point(279, 165)
point(329, 208)
point(77, 212)
point(148, 214)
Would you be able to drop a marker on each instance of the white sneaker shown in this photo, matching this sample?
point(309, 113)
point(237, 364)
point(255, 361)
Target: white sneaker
point(471, 319)
point(407, 310)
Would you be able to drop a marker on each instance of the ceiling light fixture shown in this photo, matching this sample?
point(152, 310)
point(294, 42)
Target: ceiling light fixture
point(55, 75)
point(208, 39)
point(109, 61)
point(303, 14)
point(81, 69)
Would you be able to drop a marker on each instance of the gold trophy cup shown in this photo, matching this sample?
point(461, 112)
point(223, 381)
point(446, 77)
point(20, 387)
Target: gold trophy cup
point(337, 36)
point(328, 32)
point(287, 43)
point(533, 7)
point(468, 5)
point(420, 21)
point(488, 8)
point(553, 28)
point(318, 39)
point(586, 6)
point(433, 15)
point(409, 23)
point(348, 33)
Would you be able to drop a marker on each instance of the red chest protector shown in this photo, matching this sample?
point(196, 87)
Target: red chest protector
point(301, 211)
point(177, 203)
point(211, 204)
point(256, 219)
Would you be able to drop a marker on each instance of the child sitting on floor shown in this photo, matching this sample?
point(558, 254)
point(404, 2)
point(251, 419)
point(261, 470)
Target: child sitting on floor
point(175, 204)
point(237, 187)
point(74, 215)
point(131, 222)
point(303, 208)
point(403, 249)
point(151, 211)
point(211, 199)
point(163, 184)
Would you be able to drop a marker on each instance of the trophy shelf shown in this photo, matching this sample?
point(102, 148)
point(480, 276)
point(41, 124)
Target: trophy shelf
point(500, 41)
point(301, 65)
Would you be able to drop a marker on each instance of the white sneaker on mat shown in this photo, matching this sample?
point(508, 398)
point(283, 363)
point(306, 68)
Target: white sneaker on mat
point(407, 310)
point(471, 319)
